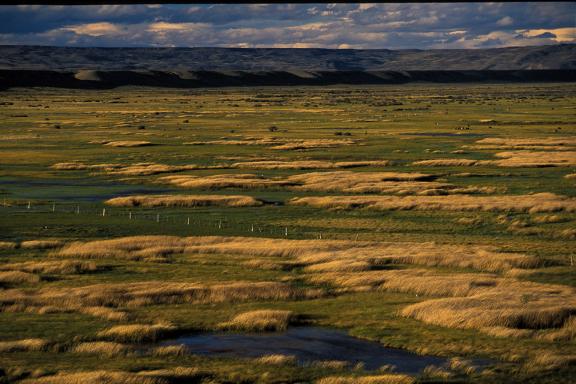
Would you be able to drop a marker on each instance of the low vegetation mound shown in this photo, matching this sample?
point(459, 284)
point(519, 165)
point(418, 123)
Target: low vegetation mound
point(25, 345)
point(127, 143)
point(184, 201)
point(159, 376)
point(137, 333)
point(378, 379)
point(338, 181)
point(538, 202)
point(261, 320)
point(309, 164)
point(102, 300)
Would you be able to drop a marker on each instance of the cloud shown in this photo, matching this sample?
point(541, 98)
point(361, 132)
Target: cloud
point(505, 21)
point(94, 29)
point(338, 25)
point(560, 35)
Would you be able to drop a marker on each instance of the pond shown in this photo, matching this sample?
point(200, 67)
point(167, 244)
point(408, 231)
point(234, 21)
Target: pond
point(307, 344)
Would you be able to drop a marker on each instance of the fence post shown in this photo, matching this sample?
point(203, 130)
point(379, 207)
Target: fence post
point(157, 217)
point(103, 212)
point(130, 215)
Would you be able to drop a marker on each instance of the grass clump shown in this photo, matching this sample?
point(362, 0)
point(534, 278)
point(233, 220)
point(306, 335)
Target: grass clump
point(95, 377)
point(128, 143)
point(170, 350)
point(538, 202)
point(41, 244)
point(184, 201)
point(8, 245)
point(260, 320)
point(137, 333)
point(18, 277)
point(377, 379)
point(65, 267)
point(277, 359)
point(106, 348)
point(25, 345)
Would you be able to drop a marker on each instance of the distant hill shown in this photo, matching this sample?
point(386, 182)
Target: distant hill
point(272, 59)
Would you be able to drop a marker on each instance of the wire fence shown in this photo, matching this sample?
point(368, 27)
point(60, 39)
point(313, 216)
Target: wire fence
point(201, 221)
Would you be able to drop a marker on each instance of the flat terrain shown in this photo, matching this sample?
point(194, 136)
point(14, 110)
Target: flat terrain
point(439, 219)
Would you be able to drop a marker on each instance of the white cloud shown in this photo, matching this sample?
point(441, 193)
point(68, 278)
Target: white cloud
point(563, 35)
point(505, 21)
point(94, 29)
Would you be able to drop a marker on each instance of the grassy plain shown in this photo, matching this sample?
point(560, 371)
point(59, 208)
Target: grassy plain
point(456, 280)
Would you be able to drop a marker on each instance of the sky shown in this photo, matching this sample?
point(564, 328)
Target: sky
point(340, 25)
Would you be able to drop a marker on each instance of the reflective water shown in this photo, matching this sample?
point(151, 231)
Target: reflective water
point(307, 344)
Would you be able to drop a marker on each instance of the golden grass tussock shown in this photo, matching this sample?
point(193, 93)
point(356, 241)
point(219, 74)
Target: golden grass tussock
point(112, 296)
point(260, 320)
point(25, 345)
point(241, 141)
point(277, 359)
point(128, 143)
point(509, 304)
point(106, 348)
point(536, 159)
point(366, 182)
point(330, 364)
point(65, 267)
point(377, 379)
point(136, 333)
point(566, 333)
point(176, 375)
point(511, 159)
point(69, 166)
point(506, 333)
point(340, 266)
point(308, 164)
point(8, 245)
point(318, 255)
point(137, 169)
point(548, 141)
point(280, 144)
point(170, 350)
point(451, 163)
point(339, 181)
point(360, 258)
point(104, 313)
point(240, 181)
point(269, 265)
point(95, 377)
point(418, 281)
point(184, 201)
point(146, 169)
point(534, 203)
point(548, 219)
point(546, 360)
point(570, 176)
point(18, 277)
point(41, 244)
point(294, 145)
point(469, 220)
point(434, 372)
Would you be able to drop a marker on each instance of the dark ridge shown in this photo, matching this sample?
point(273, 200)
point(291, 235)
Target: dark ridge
point(561, 56)
point(197, 79)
